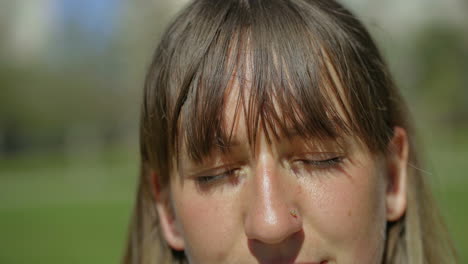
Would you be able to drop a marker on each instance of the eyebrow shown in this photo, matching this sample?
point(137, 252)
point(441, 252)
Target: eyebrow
point(224, 145)
point(289, 134)
point(226, 142)
point(223, 151)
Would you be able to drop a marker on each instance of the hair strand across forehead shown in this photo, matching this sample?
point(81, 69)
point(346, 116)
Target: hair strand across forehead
point(307, 67)
point(293, 77)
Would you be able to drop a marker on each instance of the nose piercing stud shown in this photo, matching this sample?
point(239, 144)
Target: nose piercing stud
point(293, 213)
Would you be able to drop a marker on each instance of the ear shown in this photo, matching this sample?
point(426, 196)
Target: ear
point(397, 162)
point(168, 223)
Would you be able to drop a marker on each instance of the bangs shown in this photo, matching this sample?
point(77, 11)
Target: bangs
point(290, 73)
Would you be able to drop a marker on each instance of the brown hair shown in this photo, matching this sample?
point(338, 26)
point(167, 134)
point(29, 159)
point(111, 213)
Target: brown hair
point(312, 66)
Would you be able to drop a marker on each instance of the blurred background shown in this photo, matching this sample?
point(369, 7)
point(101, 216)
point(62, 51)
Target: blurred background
point(71, 74)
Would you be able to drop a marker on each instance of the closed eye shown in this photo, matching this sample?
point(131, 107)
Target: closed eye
point(317, 164)
point(322, 163)
point(209, 179)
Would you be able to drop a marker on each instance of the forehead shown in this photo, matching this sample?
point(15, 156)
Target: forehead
point(275, 85)
point(248, 107)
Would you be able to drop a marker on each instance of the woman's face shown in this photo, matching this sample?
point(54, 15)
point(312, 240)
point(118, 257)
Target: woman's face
point(290, 200)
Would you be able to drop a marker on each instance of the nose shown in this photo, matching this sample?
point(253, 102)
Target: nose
point(271, 215)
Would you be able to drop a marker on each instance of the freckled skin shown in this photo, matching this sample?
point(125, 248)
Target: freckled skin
point(340, 213)
point(217, 226)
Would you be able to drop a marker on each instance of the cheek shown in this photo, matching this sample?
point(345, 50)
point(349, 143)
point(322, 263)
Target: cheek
point(203, 222)
point(349, 210)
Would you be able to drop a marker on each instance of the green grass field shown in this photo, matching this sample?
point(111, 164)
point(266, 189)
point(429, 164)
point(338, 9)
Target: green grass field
point(54, 210)
point(76, 210)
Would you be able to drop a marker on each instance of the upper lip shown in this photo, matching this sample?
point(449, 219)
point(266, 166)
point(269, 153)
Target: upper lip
point(306, 262)
point(283, 260)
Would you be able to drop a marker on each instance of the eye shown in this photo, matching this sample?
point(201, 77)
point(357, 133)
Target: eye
point(210, 179)
point(322, 163)
point(317, 163)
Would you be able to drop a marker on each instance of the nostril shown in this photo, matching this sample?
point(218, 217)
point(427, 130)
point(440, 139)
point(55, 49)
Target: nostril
point(273, 228)
point(286, 250)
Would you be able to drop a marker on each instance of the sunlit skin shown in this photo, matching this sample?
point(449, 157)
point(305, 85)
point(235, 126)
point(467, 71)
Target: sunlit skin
point(291, 200)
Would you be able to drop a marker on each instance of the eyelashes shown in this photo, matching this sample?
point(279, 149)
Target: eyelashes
point(322, 163)
point(311, 164)
point(205, 180)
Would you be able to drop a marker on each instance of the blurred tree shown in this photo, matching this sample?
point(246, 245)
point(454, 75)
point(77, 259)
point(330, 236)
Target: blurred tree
point(441, 57)
point(83, 89)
